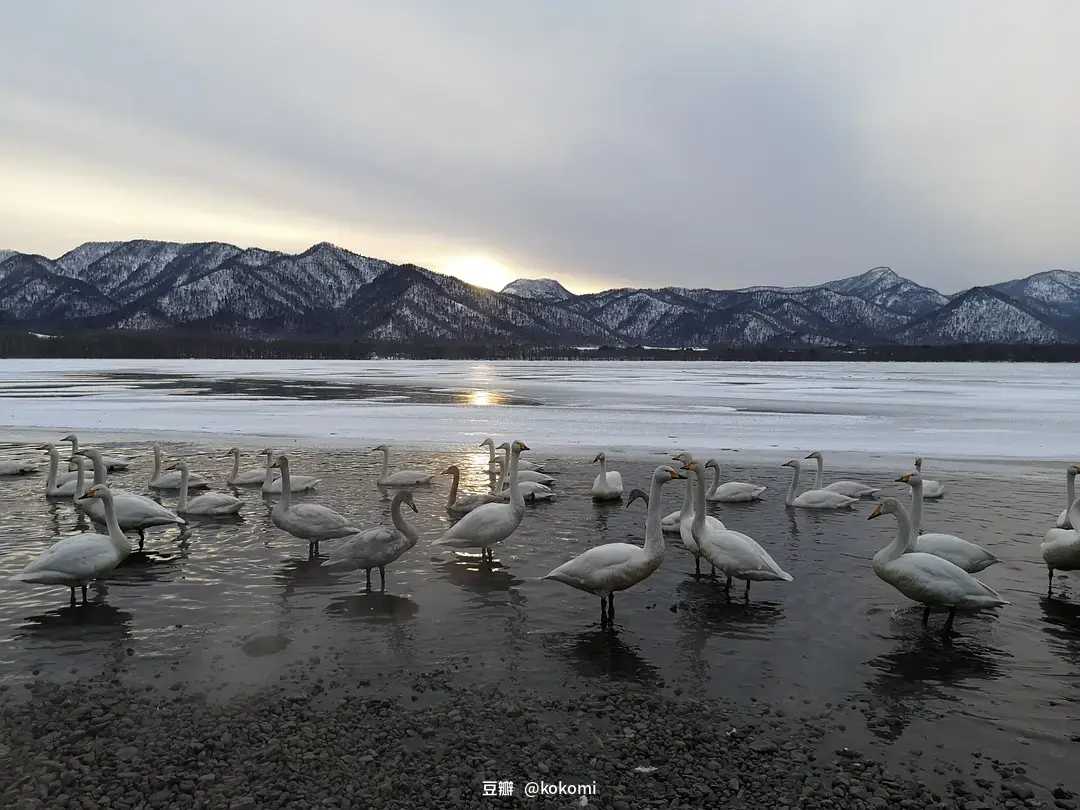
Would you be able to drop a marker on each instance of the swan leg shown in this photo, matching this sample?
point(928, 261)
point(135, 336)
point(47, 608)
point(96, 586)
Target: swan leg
point(611, 607)
point(142, 539)
point(926, 616)
point(713, 574)
point(746, 593)
point(382, 578)
point(697, 567)
point(1050, 583)
point(367, 571)
point(603, 610)
point(84, 593)
point(73, 596)
point(949, 621)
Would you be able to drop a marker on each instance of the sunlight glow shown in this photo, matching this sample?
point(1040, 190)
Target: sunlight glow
point(483, 271)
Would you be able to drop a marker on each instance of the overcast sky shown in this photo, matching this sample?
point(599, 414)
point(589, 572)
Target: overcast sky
point(605, 144)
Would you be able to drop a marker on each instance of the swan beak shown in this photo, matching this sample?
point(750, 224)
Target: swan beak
point(173, 467)
point(596, 458)
point(904, 479)
point(676, 474)
point(445, 472)
point(43, 446)
point(412, 505)
point(876, 513)
point(523, 446)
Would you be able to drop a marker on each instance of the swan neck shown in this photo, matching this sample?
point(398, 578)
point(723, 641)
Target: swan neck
point(603, 469)
point(916, 506)
point(1074, 515)
point(157, 463)
point(715, 479)
point(268, 476)
point(654, 534)
point(698, 481)
point(904, 541)
point(74, 444)
point(1070, 491)
point(516, 499)
point(235, 467)
point(794, 484)
point(80, 481)
point(385, 463)
point(453, 488)
point(400, 523)
point(54, 463)
point(820, 467)
point(182, 500)
point(687, 500)
point(99, 468)
point(286, 484)
point(119, 541)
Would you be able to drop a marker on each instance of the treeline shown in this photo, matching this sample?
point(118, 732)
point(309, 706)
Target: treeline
point(183, 344)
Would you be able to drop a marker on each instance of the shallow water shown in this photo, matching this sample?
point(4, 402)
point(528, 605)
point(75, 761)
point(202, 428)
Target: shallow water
point(236, 603)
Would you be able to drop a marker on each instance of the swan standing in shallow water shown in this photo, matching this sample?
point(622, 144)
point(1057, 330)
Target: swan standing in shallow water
point(853, 489)
point(489, 443)
point(607, 486)
point(272, 483)
point(401, 478)
point(308, 521)
point(731, 491)
point(132, 511)
point(65, 485)
point(112, 463)
point(685, 516)
point(78, 559)
point(464, 504)
point(927, 578)
point(252, 476)
point(490, 523)
point(377, 548)
point(1061, 547)
point(737, 555)
point(813, 498)
point(930, 489)
point(969, 556)
point(211, 503)
point(530, 490)
point(171, 478)
point(1063, 521)
point(612, 567)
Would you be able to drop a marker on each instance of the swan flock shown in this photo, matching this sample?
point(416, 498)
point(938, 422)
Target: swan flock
point(933, 569)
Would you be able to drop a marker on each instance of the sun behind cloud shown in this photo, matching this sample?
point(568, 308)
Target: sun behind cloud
point(483, 271)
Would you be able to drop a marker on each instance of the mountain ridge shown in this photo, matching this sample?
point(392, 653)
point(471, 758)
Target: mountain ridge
point(329, 291)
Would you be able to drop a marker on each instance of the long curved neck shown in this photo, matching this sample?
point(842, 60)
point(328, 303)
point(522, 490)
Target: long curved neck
point(795, 471)
point(603, 468)
point(235, 466)
point(687, 500)
point(182, 500)
point(54, 463)
point(286, 484)
point(654, 534)
point(698, 481)
point(715, 479)
point(1070, 493)
point(904, 541)
point(385, 463)
point(99, 468)
point(502, 479)
point(157, 463)
point(1074, 515)
point(119, 541)
point(268, 477)
point(400, 523)
point(516, 500)
point(80, 480)
point(491, 451)
point(916, 506)
point(455, 475)
point(820, 467)
point(74, 444)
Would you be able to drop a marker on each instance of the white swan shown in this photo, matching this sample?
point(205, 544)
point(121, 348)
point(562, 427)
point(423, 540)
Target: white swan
point(930, 489)
point(112, 463)
point(243, 478)
point(466, 503)
point(731, 491)
point(491, 523)
point(530, 490)
point(737, 555)
point(853, 489)
point(308, 521)
point(377, 548)
point(489, 443)
point(171, 478)
point(272, 483)
point(927, 578)
point(530, 476)
point(603, 570)
point(969, 556)
point(8, 467)
point(78, 559)
point(211, 503)
point(1063, 521)
point(133, 512)
point(400, 478)
point(63, 485)
point(813, 498)
point(1061, 547)
point(685, 516)
point(607, 486)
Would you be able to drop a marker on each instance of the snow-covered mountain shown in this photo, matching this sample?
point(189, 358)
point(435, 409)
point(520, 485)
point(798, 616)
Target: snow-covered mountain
point(327, 291)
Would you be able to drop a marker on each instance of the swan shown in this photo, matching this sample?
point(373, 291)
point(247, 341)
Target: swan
point(308, 521)
point(927, 578)
point(603, 570)
point(171, 479)
point(17, 467)
point(112, 463)
point(401, 478)
point(731, 491)
point(63, 485)
point(930, 489)
point(522, 463)
point(1063, 521)
point(853, 489)
point(530, 490)
point(242, 478)
point(377, 548)
point(272, 483)
point(969, 556)
point(738, 555)
point(685, 516)
point(466, 503)
point(1061, 547)
point(79, 558)
point(212, 503)
point(132, 511)
point(530, 476)
point(813, 498)
point(607, 486)
point(490, 523)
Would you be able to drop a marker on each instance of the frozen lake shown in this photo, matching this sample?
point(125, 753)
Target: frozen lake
point(945, 410)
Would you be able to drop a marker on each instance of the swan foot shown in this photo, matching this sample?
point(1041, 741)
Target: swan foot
point(382, 578)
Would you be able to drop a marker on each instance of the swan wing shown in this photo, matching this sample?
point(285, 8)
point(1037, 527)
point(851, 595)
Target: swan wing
point(318, 516)
point(823, 499)
point(484, 525)
point(740, 555)
point(366, 549)
point(81, 557)
point(933, 580)
point(969, 556)
point(602, 568)
point(853, 489)
point(735, 491)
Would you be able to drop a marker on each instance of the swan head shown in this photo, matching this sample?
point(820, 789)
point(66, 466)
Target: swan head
point(664, 473)
point(232, 451)
point(98, 491)
point(684, 457)
point(453, 469)
point(79, 460)
point(91, 454)
point(406, 497)
point(816, 454)
point(179, 465)
point(888, 506)
point(382, 448)
point(635, 494)
point(918, 463)
point(601, 456)
point(266, 451)
point(281, 462)
point(69, 438)
point(712, 463)
point(518, 446)
point(488, 442)
point(1074, 469)
point(47, 447)
point(793, 463)
point(911, 479)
